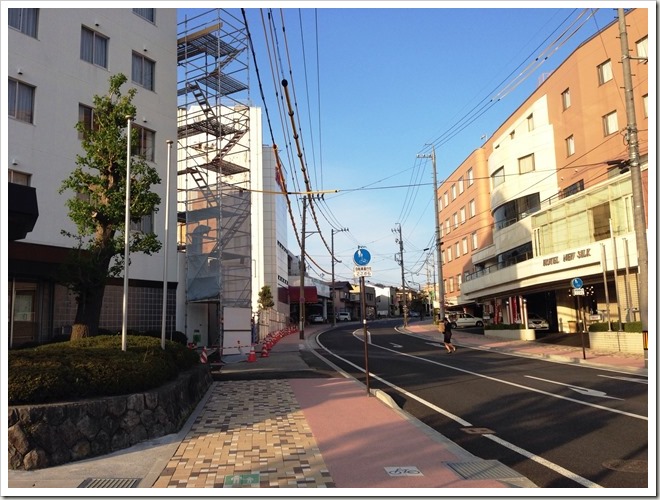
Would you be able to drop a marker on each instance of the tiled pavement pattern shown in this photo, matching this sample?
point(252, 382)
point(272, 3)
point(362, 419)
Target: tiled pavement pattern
point(251, 434)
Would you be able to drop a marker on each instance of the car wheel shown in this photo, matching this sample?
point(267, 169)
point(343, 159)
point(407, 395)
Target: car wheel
point(454, 325)
point(480, 323)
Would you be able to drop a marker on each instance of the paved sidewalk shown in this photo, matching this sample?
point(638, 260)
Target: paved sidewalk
point(278, 423)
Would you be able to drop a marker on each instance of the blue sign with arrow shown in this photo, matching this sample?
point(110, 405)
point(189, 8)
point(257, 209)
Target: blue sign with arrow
point(362, 257)
point(576, 283)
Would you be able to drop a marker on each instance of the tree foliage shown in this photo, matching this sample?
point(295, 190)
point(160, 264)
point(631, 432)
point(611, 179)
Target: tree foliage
point(97, 207)
point(265, 298)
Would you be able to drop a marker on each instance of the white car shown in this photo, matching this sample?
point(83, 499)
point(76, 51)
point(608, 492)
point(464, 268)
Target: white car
point(464, 320)
point(316, 318)
point(537, 322)
point(343, 316)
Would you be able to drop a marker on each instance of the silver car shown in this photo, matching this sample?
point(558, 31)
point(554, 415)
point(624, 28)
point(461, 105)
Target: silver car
point(536, 322)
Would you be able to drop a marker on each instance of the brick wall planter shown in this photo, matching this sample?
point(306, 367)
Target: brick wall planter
point(43, 436)
point(630, 342)
point(514, 334)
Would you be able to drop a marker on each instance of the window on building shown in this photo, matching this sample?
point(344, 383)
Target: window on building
point(566, 99)
point(470, 177)
point(474, 241)
point(143, 71)
point(604, 72)
point(442, 256)
point(146, 143)
point(574, 188)
point(461, 188)
point(459, 282)
point(441, 230)
point(439, 203)
point(24, 20)
point(449, 254)
point(457, 249)
point(610, 124)
point(451, 284)
point(530, 122)
point(570, 145)
point(447, 226)
point(645, 102)
point(465, 246)
point(86, 117)
point(446, 198)
point(145, 225)
point(148, 14)
point(498, 177)
point(94, 47)
point(526, 164)
point(453, 192)
point(642, 47)
point(455, 217)
point(21, 101)
point(462, 215)
point(473, 208)
point(512, 135)
point(19, 178)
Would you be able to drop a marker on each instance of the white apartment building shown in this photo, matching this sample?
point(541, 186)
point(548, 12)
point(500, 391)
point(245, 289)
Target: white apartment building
point(57, 60)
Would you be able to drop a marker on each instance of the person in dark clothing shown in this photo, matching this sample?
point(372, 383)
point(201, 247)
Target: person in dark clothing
point(447, 337)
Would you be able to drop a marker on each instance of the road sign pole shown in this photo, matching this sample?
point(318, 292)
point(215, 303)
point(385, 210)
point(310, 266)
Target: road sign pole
point(366, 339)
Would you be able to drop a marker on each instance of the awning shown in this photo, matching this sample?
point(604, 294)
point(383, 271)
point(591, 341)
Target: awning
point(310, 295)
point(23, 210)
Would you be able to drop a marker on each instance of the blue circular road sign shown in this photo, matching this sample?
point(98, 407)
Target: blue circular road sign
point(362, 257)
point(576, 283)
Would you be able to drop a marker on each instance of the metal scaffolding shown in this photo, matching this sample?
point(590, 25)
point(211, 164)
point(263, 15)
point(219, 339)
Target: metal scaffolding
point(213, 162)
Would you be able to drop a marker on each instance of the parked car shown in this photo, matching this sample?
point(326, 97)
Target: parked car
point(414, 314)
point(343, 316)
point(464, 320)
point(537, 322)
point(316, 318)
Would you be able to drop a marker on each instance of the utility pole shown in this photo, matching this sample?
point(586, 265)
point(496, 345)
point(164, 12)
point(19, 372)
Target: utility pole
point(301, 306)
point(332, 251)
point(438, 241)
point(636, 181)
point(399, 240)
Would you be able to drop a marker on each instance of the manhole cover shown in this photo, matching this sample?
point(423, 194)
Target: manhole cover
point(477, 430)
point(112, 482)
point(634, 466)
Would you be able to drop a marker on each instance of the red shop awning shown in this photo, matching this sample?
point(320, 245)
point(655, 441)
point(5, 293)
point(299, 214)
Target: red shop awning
point(310, 295)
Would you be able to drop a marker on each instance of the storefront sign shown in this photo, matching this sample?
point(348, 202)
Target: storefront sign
point(567, 257)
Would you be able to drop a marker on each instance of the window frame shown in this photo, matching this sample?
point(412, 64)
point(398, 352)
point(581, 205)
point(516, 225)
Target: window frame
point(498, 174)
point(472, 211)
point(94, 52)
point(603, 75)
point(606, 123)
point(570, 145)
point(31, 30)
point(13, 110)
point(644, 44)
point(140, 13)
point(146, 146)
point(470, 176)
point(139, 73)
point(523, 160)
point(566, 99)
point(530, 122)
point(475, 242)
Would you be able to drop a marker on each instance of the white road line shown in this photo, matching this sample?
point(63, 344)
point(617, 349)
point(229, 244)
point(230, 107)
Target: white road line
point(576, 388)
point(546, 463)
point(628, 379)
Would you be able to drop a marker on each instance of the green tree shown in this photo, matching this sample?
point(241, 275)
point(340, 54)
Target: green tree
point(265, 298)
point(98, 205)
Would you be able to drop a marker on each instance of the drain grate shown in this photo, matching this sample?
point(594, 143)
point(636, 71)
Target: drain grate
point(111, 482)
point(483, 469)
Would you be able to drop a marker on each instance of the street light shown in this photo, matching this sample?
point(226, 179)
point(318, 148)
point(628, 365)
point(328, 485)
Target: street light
point(332, 251)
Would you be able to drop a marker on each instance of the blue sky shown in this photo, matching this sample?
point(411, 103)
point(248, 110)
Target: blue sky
point(376, 83)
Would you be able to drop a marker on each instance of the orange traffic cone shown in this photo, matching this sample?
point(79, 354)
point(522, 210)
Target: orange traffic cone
point(203, 357)
point(252, 357)
point(264, 351)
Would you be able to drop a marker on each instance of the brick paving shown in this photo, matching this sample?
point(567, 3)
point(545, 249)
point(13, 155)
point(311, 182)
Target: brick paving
point(251, 434)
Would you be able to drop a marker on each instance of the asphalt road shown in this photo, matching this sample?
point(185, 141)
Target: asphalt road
point(560, 425)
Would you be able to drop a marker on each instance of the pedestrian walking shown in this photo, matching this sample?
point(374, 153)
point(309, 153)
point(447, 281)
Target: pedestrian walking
point(447, 337)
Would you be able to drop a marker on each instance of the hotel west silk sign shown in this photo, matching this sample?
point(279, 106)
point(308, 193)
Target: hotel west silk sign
point(567, 257)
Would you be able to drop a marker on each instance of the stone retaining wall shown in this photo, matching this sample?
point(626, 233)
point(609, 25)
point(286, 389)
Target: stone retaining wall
point(53, 434)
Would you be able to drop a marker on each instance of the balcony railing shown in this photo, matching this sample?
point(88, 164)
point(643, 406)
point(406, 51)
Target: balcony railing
point(512, 261)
